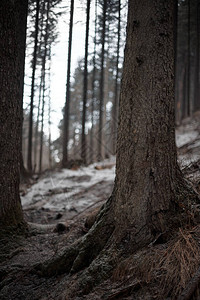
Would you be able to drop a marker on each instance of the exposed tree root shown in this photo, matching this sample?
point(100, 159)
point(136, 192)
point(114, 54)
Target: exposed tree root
point(82, 253)
point(124, 291)
point(97, 253)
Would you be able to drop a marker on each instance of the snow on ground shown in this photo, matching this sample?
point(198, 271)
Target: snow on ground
point(188, 140)
point(58, 190)
point(74, 190)
point(185, 138)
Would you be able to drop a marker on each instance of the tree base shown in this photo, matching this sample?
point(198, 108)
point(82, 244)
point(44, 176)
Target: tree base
point(98, 252)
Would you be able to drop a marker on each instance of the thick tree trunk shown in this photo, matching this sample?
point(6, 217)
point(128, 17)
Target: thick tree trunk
point(149, 186)
point(12, 35)
point(147, 172)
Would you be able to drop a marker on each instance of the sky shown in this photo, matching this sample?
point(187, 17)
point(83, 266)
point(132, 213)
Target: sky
point(59, 59)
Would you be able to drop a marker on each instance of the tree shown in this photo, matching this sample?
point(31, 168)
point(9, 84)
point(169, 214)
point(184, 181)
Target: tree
point(93, 87)
point(85, 85)
point(115, 103)
point(30, 136)
point(101, 92)
point(13, 16)
point(67, 101)
point(44, 83)
point(149, 187)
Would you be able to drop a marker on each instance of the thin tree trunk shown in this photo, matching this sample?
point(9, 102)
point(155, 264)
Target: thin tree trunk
point(93, 89)
point(38, 117)
point(101, 94)
point(30, 135)
point(197, 60)
point(85, 86)
point(44, 83)
point(67, 100)
point(36, 144)
point(49, 111)
point(188, 65)
point(116, 94)
point(42, 126)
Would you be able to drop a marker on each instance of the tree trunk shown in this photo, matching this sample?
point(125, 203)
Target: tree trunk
point(12, 35)
point(67, 101)
point(149, 185)
point(101, 93)
point(188, 64)
point(44, 58)
point(93, 89)
point(30, 135)
point(197, 65)
point(37, 121)
point(116, 93)
point(85, 85)
point(49, 112)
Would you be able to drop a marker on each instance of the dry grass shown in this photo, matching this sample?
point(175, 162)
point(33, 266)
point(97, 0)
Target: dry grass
point(169, 266)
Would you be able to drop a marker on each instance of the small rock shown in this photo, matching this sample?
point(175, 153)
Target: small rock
point(60, 227)
point(58, 216)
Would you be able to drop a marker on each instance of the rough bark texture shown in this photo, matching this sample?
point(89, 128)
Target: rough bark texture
point(12, 36)
point(147, 171)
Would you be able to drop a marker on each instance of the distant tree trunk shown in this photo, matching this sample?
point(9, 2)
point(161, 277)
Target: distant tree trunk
point(185, 94)
point(13, 16)
point(49, 111)
point(93, 89)
point(188, 64)
point(67, 100)
point(42, 126)
point(101, 94)
point(116, 93)
point(37, 121)
point(197, 60)
point(85, 86)
point(30, 135)
point(44, 58)
point(36, 144)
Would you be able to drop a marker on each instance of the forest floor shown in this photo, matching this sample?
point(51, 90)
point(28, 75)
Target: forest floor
point(65, 202)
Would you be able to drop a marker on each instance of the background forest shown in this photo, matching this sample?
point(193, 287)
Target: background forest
point(89, 217)
point(87, 125)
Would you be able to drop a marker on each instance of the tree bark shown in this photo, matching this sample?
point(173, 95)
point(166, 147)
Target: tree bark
point(13, 16)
